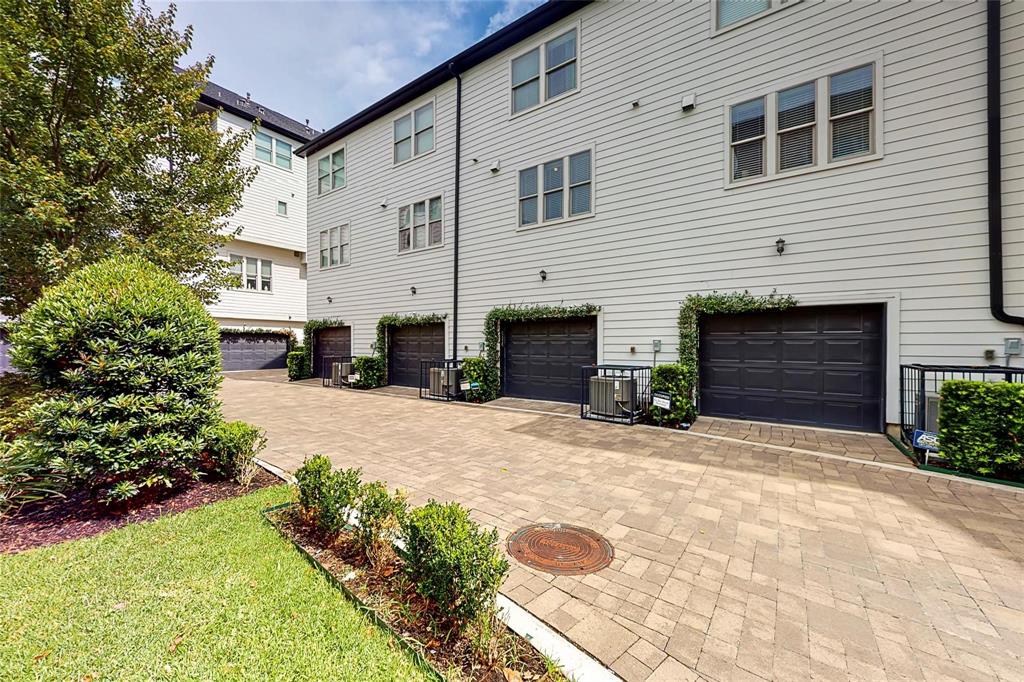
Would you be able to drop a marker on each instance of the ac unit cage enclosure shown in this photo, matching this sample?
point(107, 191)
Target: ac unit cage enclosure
point(441, 380)
point(336, 371)
point(615, 393)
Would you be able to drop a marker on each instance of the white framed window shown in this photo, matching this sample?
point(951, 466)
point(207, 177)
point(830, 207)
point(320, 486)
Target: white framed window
point(806, 125)
point(334, 246)
point(545, 72)
point(556, 190)
point(414, 133)
point(272, 150)
point(282, 208)
point(330, 172)
point(254, 274)
point(727, 14)
point(420, 224)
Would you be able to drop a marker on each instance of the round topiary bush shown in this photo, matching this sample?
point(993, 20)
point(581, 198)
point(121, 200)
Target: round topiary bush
point(133, 360)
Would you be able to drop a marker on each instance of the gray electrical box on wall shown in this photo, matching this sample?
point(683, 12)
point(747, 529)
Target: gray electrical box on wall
point(1011, 347)
point(657, 345)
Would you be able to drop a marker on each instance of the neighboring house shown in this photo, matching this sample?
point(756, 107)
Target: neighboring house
point(628, 155)
point(268, 253)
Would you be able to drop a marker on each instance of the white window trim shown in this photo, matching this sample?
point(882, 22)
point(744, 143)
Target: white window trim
point(566, 218)
point(822, 140)
point(278, 213)
point(411, 113)
point(565, 28)
point(776, 6)
point(444, 222)
point(316, 171)
point(273, 152)
point(259, 274)
point(343, 264)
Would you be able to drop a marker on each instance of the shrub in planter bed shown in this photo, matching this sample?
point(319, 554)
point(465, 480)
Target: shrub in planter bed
point(298, 364)
point(233, 447)
point(372, 371)
point(455, 563)
point(134, 360)
point(678, 381)
point(327, 496)
point(481, 372)
point(311, 480)
point(981, 427)
point(380, 520)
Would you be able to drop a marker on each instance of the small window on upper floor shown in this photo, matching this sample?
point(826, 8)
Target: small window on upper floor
point(334, 246)
point(330, 172)
point(420, 225)
point(283, 154)
point(282, 208)
point(557, 189)
point(272, 150)
point(545, 72)
point(254, 274)
point(787, 131)
point(414, 133)
point(264, 147)
point(728, 13)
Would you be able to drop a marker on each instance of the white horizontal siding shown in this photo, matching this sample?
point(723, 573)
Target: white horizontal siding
point(909, 228)
point(283, 306)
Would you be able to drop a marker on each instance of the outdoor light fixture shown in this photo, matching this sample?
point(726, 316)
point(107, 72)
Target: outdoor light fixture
point(412, 290)
point(780, 245)
point(543, 275)
point(330, 300)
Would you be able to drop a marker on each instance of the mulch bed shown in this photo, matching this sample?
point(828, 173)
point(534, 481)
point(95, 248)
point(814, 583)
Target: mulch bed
point(79, 516)
point(393, 597)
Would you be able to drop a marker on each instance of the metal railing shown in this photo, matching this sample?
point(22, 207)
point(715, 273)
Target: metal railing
point(336, 371)
point(920, 388)
point(441, 380)
point(615, 393)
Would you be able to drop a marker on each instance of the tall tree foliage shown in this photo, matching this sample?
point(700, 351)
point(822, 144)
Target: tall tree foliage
point(102, 149)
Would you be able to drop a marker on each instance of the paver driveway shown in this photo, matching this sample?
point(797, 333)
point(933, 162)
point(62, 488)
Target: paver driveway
point(732, 559)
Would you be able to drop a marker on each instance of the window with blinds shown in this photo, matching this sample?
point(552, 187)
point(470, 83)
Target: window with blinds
point(729, 12)
point(334, 246)
point(557, 189)
point(330, 172)
point(420, 224)
point(414, 133)
point(786, 131)
point(545, 72)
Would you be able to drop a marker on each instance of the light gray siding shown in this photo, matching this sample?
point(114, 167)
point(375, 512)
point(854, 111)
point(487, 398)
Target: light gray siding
point(908, 229)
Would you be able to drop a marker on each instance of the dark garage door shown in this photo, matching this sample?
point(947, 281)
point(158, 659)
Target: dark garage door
point(541, 359)
point(407, 346)
point(332, 343)
point(253, 351)
point(814, 366)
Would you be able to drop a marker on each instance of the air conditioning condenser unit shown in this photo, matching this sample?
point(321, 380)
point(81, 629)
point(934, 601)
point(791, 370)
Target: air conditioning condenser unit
point(612, 396)
point(444, 381)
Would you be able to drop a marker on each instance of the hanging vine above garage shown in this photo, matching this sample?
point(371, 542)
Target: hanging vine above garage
point(489, 373)
point(308, 330)
point(381, 347)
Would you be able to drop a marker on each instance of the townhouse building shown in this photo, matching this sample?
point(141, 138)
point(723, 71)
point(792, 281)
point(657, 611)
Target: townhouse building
point(268, 250)
point(863, 158)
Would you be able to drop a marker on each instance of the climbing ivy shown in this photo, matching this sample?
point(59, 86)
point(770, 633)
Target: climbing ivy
point(372, 370)
point(489, 383)
point(308, 330)
point(696, 305)
point(288, 333)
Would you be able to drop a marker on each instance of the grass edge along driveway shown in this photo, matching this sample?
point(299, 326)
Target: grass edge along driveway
point(212, 593)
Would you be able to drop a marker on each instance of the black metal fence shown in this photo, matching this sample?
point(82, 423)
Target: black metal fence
point(441, 380)
point(920, 387)
point(615, 393)
point(336, 371)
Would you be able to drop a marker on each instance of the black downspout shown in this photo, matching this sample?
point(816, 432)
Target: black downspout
point(995, 195)
point(455, 227)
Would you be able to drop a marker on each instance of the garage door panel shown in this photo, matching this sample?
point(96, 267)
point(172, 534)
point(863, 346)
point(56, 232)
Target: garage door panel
point(332, 342)
point(541, 359)
point(816, 365)
point(240, 352)
point(408, 346)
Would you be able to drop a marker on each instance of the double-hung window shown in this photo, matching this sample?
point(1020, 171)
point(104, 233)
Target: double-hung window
point(330, 172)
point(254, 274)
point(273, 150)
point(334, 246)
point(736, 12)
point(414, 133)
point(545, 72)
point(812, 125)
point(556, 189)
point(420, 225)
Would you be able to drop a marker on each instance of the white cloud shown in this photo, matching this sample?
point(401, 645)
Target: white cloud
point(512, 10)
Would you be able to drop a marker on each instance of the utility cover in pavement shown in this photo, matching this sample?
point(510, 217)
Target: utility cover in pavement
point(560, 549)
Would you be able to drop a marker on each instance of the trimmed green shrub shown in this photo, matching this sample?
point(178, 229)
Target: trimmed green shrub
point(25, 476)
point(380, 520)
point(677, 380)
point(298, 364)
point(311, 480)
point(981, 427)
point(233, 447)
point(372, 371)
point(338, 499)
point(17, 396)
point(479, 371)
point(456, 564)
point(134, 358)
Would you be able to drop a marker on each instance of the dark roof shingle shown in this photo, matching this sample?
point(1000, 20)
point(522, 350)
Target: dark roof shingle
point(219, 97)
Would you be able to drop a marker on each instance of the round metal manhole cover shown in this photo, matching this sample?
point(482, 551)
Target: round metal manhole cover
point(560, 549)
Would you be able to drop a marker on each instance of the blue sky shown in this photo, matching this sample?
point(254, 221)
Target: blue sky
point(327, 60)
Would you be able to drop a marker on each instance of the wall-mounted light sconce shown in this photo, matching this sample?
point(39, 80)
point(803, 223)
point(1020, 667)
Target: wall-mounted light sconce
point(412, 290)
point(384, 202)
point(780, 245)
point(330, 300)
point(543, 275)
point(495, 165)
point(636, 104)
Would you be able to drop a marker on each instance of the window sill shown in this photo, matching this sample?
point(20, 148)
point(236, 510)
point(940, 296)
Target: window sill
point(251, 291)
point(554, 223)
point(550, 100)
point(339, 266)
point(396, 164)
point(331, 191)
point(804, 171)
point(421, 249)
point(273, 165)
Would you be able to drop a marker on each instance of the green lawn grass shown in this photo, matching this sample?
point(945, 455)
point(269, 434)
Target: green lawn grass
point(214, 593)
